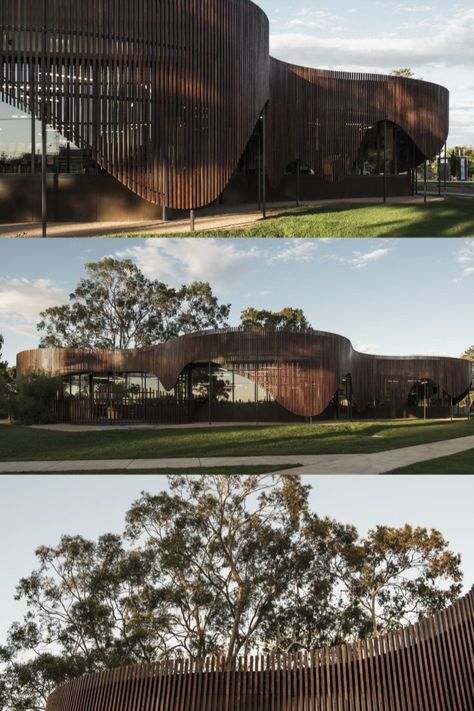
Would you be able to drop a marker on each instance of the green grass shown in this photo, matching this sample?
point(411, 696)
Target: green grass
point(461, 463)
point(26, 444)
point(163, 472)
point(453, 217)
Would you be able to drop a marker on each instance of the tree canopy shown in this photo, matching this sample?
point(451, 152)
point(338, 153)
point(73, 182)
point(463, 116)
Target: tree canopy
point(403, 72)
point(116, 307)
point(468, 354)
point(288, 317)
point(216, 565)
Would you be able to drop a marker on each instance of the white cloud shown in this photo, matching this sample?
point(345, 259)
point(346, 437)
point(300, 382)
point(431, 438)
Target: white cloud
point(317, 20)
point(448, 43)
point(219, 261)
point(181, 260)
point(360, 260)
point(465, 257)
point(297, 250)
point(21, 300)
point(369, 348)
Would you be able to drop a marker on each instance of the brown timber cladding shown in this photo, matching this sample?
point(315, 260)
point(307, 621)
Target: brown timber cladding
point(166, 93)
point(427, 666)
point(301, 370)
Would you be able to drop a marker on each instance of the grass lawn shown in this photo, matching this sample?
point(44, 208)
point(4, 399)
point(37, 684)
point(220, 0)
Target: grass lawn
point(461, 463)
point(453, 217)
point(26, 444)
point(164, 472)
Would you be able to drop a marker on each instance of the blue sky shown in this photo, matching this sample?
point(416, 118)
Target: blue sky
point(389, 296)
point(433, 38)
point(37, 510)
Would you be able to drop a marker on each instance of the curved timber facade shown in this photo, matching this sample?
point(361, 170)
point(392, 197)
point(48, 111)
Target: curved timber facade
point(299, 371)
point(167, 95)
point(427, 666)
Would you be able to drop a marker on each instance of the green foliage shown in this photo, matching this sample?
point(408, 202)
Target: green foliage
point(286, 318)
point(216, 565)
point(468, 354)
point(29, 399)
point(467, 151)
point(394, 574)
point(117, 306)
point(403, 72)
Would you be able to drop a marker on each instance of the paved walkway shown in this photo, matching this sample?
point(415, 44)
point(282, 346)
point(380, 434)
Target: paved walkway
point(375, 463)
point(210, 218)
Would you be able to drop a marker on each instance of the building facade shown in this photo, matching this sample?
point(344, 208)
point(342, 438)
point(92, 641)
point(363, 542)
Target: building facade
point(181, 104)
point(246, 376)
point(427, 666)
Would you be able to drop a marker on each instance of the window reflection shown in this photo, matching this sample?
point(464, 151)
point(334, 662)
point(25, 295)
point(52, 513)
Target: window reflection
point(20, 146)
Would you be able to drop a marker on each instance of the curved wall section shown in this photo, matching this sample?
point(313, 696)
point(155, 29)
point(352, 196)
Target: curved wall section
point(427, 666)
point(301, 370)
point(321, 117)
point(164, 93)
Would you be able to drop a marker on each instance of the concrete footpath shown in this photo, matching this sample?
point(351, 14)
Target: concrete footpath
point(375, 463)
point(208, 219)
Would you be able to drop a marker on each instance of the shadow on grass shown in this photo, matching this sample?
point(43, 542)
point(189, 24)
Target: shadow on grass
point(453, 217)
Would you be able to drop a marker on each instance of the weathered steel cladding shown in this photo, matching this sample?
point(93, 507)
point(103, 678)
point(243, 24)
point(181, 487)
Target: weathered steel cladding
point(166, 93)
point(321, 117)
point(302, 370)
point(427, 666)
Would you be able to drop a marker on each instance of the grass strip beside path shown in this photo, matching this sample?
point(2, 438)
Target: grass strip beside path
point(26, 444)
point(460, 463)
point(452, 217)
point(260, 469)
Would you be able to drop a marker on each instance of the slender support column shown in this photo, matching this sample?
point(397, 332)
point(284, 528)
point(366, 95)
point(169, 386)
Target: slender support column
point(164, 216)
point(395, 150)
point(256, 394)
point(259, 171)
point(192, 220)
point(439, 175)
point(298, 177)
point(33, 119)
point(209, 392)
point(445, 169)
point(44, 147)
point(424, 179)
point(385, 161)
point(264, 162)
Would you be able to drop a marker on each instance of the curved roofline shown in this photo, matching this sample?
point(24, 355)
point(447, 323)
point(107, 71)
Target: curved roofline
point(256, 329)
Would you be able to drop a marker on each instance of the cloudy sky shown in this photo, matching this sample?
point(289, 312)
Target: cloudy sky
point(389, 296)
point(434, 38)
point(54, 505)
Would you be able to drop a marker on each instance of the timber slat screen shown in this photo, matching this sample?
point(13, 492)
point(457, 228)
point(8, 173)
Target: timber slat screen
point(301, 369)
point(320, 117)
point(427, 666)
point(166, 94)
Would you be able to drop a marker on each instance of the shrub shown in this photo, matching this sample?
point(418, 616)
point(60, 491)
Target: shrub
point(31, 399)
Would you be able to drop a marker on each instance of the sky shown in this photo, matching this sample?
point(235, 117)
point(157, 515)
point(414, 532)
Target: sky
point(37, 510)
point(433, 38)
point(388, 296)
